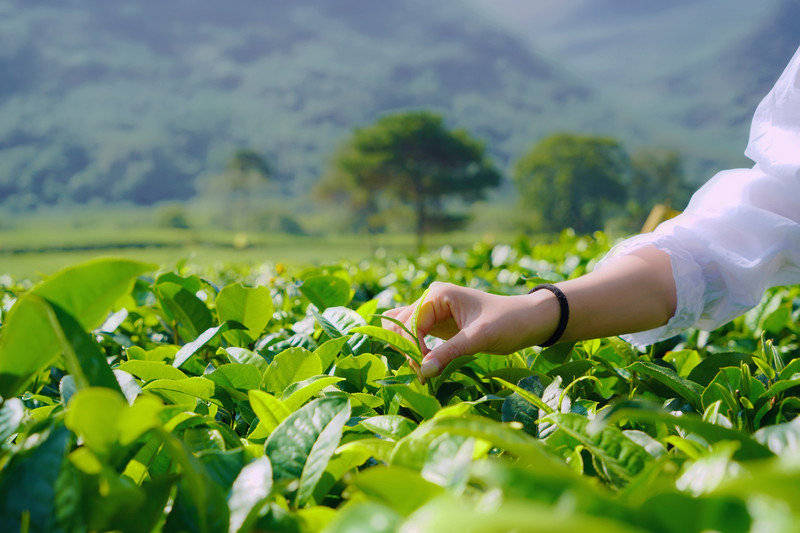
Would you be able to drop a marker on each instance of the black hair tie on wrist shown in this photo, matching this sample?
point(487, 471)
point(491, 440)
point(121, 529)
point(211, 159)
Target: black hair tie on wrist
point(562, 320)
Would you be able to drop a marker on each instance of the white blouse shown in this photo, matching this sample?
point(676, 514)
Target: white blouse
point(740, 233)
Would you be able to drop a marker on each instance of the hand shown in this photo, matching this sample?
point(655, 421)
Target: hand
point(473, 321)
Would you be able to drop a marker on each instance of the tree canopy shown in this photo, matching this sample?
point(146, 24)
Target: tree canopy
point(658, 177)
point(413, 159)
point(573, 180)
point(245, 169)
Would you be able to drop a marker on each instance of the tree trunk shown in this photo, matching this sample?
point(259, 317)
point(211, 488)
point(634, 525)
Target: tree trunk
point(420, 222)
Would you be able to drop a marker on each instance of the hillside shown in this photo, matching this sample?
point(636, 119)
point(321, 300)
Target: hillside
point(689, 72)
point(108, 103)
point(102, 103)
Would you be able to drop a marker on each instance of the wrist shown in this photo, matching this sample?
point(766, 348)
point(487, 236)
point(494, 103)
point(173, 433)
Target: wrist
point(538, 317)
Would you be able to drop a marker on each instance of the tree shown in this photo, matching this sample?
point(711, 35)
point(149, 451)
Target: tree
point(244, 173)
point(245, 170)
point(573, 180)
point(657, 177)
point(409, 158)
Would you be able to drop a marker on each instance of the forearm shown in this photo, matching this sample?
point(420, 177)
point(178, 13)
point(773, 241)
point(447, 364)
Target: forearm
point(634, 292)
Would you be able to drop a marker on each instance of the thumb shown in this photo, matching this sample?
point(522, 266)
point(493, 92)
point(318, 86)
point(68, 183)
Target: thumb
point(425, 320)
point(462, 343)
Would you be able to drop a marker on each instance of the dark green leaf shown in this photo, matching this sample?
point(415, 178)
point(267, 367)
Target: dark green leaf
point(623, 457)
point(311, 428)
point(182, 306)
point(708, 368)
point(28, 484)
point(749, 448)
point(684, 388)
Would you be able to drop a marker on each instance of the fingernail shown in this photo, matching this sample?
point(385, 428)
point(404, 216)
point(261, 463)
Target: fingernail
point(430, 368)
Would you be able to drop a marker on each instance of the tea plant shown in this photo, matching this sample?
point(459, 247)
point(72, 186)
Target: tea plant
point(137, 399)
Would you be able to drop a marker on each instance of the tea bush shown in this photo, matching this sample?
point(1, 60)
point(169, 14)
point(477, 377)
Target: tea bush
point(255, 399)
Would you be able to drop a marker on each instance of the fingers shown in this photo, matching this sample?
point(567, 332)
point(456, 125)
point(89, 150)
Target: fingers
point(462, 343)
point(401, 314)
point(435, 316)
point(426, 318)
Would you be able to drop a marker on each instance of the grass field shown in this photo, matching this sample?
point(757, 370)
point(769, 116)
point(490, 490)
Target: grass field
point(37, 244)
point(41, 250)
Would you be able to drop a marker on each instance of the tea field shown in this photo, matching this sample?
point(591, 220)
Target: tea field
point(261, 398)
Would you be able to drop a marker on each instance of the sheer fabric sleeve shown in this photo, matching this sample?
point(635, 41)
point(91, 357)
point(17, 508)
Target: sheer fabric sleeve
point(740, 233)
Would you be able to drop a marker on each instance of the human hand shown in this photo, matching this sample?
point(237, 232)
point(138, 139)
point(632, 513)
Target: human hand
point(473, 321)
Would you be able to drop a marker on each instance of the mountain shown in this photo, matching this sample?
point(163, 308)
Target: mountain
point(109, 101)
point(689, 73)
point(137, 101)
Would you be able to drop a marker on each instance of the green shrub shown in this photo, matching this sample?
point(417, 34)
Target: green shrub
point(138, 399)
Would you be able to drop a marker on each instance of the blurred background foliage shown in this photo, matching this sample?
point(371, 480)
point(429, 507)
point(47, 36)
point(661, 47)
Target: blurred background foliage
point(203, 117)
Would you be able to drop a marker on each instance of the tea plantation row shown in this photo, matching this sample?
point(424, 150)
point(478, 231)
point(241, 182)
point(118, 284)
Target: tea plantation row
point(255, 399)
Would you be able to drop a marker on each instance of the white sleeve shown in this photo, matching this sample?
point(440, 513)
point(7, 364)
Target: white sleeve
point(740, 233)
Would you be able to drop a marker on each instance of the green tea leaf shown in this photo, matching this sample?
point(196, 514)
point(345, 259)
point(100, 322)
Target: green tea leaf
point(623, 457)
point(401, 489)
point(269, 410)
point(94, 414)
point(445, 515)
point(251, 307)
point(28, 490)
point(86, 292)
point(523, 405)
point(182, 306)
point(527, 396)
point(12, 413)
point(708, 368)
point(151, 370)
point(417, 309)
point(236, 376)
point(89, 290)
point(328, 351)
point(686, 389)
point(360, 371)
point(299, 393)
point(422, 404)
point(82, 356)
point(183, 391)
point(395, 340)
point(748, 447)
point(684, 361)
point(290, 366)
point(529, 450)
point(782, 386)
point(300, 447)
point(326, 443)
point(249, 494)
point(326, 291)
point(191, 348)
point(781, 439)
point(393, 427)
point(246, 357)
point(365, 516)
point(200, 502)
